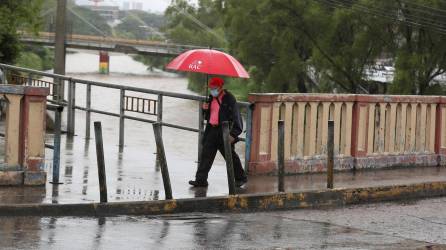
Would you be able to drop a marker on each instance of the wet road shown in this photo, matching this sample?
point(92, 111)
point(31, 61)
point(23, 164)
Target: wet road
point(414, 225)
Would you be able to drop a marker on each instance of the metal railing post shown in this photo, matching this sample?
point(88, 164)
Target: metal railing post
point(159, 114)
point(248, 139)
point(56, 150)
point(71, 113)
point(88, 113)
point(69, 105)
point(100, 161)
point(121, 120)
point(5, 76)
point(228, 158)
point(281, 155)
point(330, 146)
point(161, 155)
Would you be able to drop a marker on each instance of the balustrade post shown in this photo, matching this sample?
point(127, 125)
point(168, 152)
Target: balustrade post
point(121, 119)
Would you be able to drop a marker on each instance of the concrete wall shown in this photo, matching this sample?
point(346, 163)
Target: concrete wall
point(370, 131)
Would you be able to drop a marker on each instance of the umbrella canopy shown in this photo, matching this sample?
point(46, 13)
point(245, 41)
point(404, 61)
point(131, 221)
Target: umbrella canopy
point(208, 61)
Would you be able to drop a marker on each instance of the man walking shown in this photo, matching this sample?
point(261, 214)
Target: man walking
point(222, 106)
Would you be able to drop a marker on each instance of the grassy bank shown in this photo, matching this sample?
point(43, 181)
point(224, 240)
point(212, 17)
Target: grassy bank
point(38, 58)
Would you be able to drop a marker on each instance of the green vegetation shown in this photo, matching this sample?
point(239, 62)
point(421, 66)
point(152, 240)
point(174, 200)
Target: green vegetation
point(320, 46)
point(36, 57)
point(80, 20)
point(16, 15)
point(140, 25)
point(152, 61)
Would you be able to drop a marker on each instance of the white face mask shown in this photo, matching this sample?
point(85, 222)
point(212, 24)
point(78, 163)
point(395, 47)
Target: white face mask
point(214, 92)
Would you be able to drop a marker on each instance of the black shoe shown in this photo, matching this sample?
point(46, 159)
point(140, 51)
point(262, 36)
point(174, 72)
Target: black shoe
point(240, 183)
point(198, 183)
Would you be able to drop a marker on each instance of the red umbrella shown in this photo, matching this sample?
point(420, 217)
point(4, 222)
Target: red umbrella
point(208, 61)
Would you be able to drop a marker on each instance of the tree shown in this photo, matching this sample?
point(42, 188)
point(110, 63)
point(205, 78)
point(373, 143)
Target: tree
point(324, 45)
point(421, 52)
point(15, 15)
point(196, 26)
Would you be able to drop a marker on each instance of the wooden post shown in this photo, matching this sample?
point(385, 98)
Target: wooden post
point(101, 161)
point(330, 146)
point(162, 160)
point(56, 150)
point(281, 155)
point(228, 158)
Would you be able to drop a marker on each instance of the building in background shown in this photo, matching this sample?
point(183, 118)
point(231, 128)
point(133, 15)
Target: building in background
point(137, 5)
point(132, 5)
point(110, 13)
point(126, 5)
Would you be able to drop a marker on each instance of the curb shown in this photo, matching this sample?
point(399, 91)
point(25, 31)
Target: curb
point(236, 203)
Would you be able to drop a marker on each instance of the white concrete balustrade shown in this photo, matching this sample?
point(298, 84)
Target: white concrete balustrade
point(370, 131)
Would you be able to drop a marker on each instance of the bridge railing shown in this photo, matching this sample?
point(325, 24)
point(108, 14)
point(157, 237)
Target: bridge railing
point(370, 131)
point(111, 43)
point(138, 104)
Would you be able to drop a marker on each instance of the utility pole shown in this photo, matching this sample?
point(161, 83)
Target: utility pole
point(60, 46)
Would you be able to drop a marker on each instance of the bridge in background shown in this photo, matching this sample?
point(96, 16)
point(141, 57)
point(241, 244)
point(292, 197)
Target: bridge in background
point(111, 44)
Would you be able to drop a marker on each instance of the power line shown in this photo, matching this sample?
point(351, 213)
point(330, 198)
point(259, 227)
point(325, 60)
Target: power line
point(425, 6)
point(420, 18)
point(141, 21)
point(336, 4)
point(87, 22)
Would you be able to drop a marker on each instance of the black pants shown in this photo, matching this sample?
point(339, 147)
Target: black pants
point(213, 141)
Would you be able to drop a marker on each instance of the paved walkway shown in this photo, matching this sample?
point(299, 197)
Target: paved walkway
point(72, 192)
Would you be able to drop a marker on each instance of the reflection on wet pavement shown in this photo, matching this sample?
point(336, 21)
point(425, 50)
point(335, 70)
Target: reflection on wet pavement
point(192, 231)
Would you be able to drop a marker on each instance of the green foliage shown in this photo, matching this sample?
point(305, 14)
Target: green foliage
point(321, 46)
point(152, 61)
point(140, 25)
point(15, 15)
point(29, 60)
point(196, 26)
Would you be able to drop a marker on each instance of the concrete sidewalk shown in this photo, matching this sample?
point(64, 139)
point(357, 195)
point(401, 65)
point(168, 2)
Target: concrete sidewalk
point(52, 194)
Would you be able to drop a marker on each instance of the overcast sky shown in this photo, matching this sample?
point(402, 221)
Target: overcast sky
point(150, 5)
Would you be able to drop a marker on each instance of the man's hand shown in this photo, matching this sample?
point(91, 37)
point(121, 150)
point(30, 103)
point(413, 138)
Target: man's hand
point(231, 139)
point(205, 106)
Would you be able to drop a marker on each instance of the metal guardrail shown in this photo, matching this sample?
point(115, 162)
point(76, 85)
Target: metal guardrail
point(60, 82)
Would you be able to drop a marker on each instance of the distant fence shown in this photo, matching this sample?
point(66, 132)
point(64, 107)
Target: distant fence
point(370, 131)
